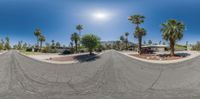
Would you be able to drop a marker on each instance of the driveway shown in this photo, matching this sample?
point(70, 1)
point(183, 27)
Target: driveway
point(111, 76)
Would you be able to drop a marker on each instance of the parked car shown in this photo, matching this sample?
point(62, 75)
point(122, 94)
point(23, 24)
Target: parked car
point(147, 51)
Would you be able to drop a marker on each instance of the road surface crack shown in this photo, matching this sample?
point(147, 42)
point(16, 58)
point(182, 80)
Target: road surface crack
point(156, 81)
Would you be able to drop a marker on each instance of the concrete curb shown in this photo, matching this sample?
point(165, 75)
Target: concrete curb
point(4, 52)
point(162, 61)
point(58, 62)
point(46, 61)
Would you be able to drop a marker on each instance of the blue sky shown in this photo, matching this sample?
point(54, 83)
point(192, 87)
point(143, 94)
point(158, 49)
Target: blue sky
point(57, 18)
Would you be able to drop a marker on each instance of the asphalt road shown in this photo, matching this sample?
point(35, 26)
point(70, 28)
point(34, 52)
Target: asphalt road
point(111, 76)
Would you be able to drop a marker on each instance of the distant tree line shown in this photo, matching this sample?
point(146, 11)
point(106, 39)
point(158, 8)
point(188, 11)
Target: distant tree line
point(172, 31)
point(196, 46)
point(5, 44)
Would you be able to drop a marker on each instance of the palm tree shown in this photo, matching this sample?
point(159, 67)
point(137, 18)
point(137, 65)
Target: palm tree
point(172, 31)
point(122, 38)
point(139, 33)
point(126, 41)
point(52, 44)
point(136, 19)
point(37, 33)
point(41, 39)
point(75, 37)
point(79, 28)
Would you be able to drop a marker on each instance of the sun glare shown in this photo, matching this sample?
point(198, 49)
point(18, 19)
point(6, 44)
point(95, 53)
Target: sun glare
point(100, 15)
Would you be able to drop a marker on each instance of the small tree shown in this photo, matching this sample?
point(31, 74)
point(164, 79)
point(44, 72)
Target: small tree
point(1, 44)
point(196, 46)
point(24, 46)
point(149, 42)
point(7, 43)
point(118, 45)
point(90, 41)
point(19, 45)
point(58, 45)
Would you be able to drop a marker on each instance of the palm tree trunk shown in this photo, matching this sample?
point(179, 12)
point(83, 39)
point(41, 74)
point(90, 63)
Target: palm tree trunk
point(79, 40)
point(90, 52)
point(41, 45)
point(37, 42)
point(172, 48)
point(140, 45)
point(76, 47)
point(126, 44)
point(172, 44)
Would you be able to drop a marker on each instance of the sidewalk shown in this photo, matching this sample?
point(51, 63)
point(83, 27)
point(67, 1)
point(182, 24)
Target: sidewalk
point(192, 55)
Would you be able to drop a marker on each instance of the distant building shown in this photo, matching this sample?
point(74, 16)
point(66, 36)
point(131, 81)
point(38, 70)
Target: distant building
point(156, 48)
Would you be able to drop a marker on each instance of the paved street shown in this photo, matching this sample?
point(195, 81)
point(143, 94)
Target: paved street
point(111, 76)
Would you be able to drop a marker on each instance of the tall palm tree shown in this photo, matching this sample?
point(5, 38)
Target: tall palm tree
point(75, 37)
point(79, 28)
point(137, 19)
point(41, 39)
point(122, 39)
point(37, 33)
point(172, 31)
point(126, 41)
point(139, 33)
point(53, 44)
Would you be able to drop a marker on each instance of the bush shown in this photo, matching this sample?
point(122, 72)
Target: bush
point(29, 49)
point(66, 52)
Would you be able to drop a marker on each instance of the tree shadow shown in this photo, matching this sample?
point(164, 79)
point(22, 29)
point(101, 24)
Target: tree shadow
point(86, 57)
point(183, 54)
point(176, 55)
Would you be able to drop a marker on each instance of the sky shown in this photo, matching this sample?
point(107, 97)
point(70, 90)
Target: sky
point(108, 19)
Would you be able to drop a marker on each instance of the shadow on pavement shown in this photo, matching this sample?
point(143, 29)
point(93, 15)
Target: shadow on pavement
point(86, 57)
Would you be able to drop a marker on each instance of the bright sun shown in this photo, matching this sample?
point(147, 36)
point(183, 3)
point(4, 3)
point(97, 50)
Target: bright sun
point(100, 15)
